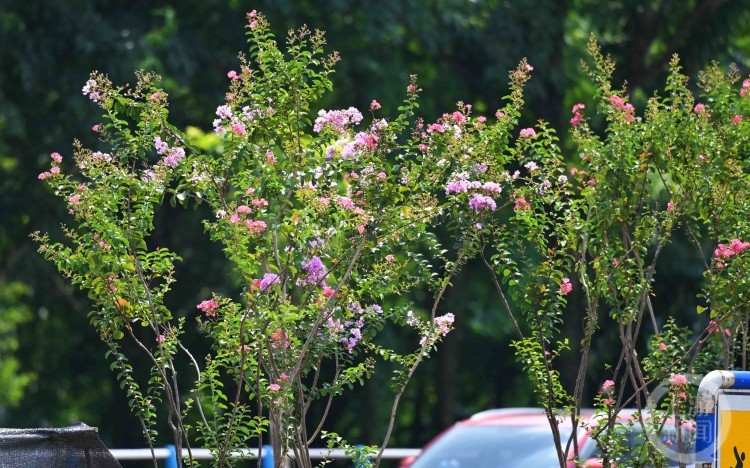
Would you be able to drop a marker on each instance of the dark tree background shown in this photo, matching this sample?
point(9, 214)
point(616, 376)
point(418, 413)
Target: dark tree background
point(52, 366)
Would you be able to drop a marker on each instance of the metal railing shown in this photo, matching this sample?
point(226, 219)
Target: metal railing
point(169, 454)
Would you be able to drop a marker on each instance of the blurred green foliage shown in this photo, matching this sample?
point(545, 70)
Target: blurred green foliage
point(53, 370)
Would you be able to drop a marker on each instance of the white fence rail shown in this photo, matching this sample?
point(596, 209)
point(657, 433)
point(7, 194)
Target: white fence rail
point(170, 456)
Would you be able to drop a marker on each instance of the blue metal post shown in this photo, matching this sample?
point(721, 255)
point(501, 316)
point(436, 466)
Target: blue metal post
point(266, 457)
point(171, 460)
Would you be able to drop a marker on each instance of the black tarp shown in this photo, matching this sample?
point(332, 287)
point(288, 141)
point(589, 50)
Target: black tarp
point(76, 446)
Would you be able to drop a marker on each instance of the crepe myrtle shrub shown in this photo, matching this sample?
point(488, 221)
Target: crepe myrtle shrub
point(594, 227)
point(325, 216)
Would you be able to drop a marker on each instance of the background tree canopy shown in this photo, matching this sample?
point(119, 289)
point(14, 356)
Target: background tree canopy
point(52, 366)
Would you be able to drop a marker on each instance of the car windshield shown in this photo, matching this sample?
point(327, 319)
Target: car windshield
point(492, 447)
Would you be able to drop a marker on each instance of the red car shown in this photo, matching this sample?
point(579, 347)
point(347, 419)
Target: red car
point(520, 437)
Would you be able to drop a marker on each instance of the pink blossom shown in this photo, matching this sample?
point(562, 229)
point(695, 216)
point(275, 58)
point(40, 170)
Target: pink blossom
point(736, 119)
point(736, 246)
point(255, 226)
point(274, 387)
point(521, 204)
point(232, 75)
point(617, 102)
point(56, 157)
point(96, 128)
point(244, 209)
point(565, 286)
point(528, 132)
point(662, 347)
point(678, 380)
point(239, 129)
point(444, 323)
point(208, 307)
point(699, 108)
point(54, 170)
point(389, 258)
point(528, 67)
point(270, 157)
point(74, 200)
point(608, 385)
point(577, 116)
point(374, 105)
point(670, 205)
point(280, 338)
point(160, 338)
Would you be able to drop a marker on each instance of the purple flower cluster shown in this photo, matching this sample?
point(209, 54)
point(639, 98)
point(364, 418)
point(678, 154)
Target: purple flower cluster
point(172, 156)
point(478, 201)
point(349, 332)
point(481, 202)
point(337, 119)
point(315, 270)
point(268, 280)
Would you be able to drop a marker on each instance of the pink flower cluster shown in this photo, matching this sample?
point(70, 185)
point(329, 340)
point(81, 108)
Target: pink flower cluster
point(618, 103)
point(254, 226)
point(745, 87)
point(527, 133)
point(565, 286)
point(678, 380)
point(735, 246)
point(444, 323)
point(208, 307)
point(521, 204)
point(55, 169)
point(577, 116)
